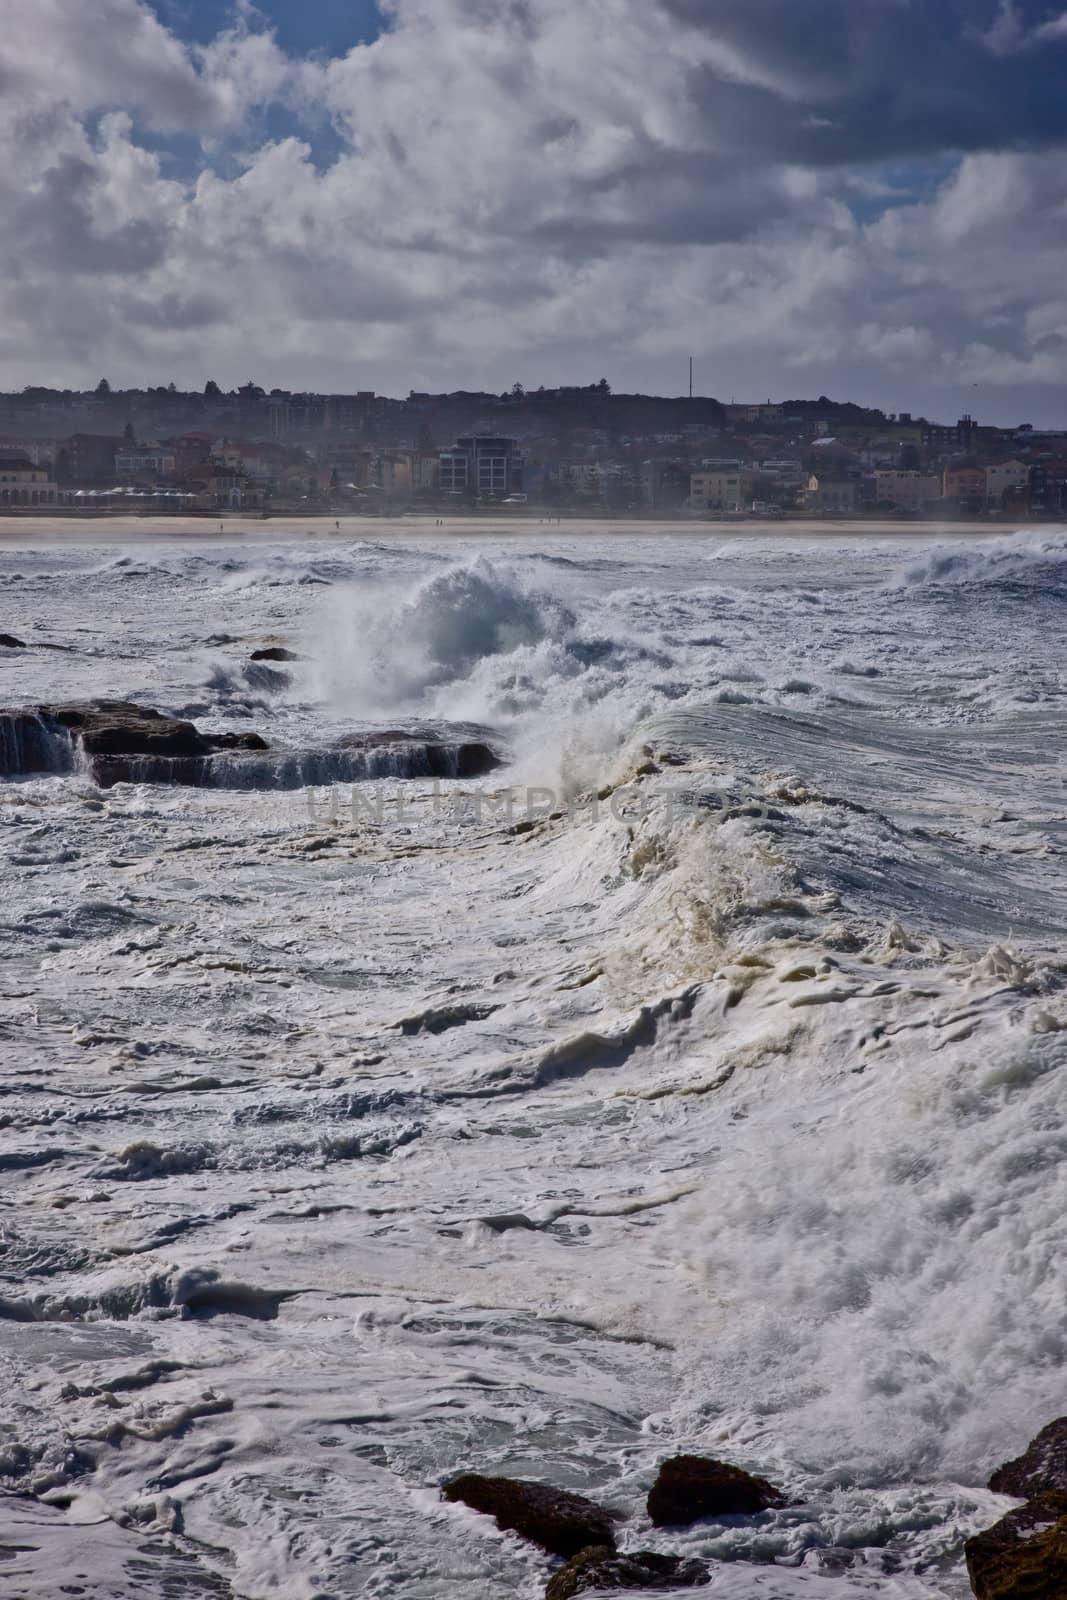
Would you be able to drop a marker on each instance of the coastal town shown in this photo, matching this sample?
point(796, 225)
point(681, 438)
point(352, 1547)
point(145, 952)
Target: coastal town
point(548, 452)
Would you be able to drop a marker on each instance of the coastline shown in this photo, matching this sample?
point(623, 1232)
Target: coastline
point(134, 529)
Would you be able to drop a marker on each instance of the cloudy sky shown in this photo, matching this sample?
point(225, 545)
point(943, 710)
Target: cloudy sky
point(866, 198)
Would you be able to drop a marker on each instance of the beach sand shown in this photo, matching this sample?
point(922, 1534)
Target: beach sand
point(119, 529)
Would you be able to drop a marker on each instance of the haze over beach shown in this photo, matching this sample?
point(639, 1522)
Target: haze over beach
point(533, 965)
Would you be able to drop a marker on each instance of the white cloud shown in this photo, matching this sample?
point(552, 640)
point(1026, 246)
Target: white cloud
point(513, 188)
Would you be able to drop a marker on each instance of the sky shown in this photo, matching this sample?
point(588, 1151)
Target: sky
point(860, 198)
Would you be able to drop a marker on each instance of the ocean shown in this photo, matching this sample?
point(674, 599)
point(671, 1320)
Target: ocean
point(694, 1081)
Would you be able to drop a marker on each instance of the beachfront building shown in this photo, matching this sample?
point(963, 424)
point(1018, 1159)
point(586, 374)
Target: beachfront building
point(832, 497)
point(1007, 483)
point(1048, 487)
point(719, 486)
point(22, 483)
point(964, 487)
point(485, 466)
point(906, 490)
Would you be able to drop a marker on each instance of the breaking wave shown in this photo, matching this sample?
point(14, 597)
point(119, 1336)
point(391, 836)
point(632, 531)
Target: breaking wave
point(1022, 563)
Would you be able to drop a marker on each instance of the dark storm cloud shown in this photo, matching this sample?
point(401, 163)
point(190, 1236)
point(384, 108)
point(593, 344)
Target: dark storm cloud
point(837, 81)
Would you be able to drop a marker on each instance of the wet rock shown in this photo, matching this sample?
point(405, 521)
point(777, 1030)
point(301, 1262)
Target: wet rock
point(1041, 1467)
point(120, 728)
point(690, 1487)
point(1024, 1555)
point(436, 755)
point(9, 642)
point(600, 1568)
point(560, 1522)
point(128, 743)
point(121, 742)
point(274, 653)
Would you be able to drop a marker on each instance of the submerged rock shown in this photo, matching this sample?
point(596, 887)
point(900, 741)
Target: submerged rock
point(690, 1487)
point(600, 1568)
point(560, 1522)
point(1024, 1555)
point(1041, 1467)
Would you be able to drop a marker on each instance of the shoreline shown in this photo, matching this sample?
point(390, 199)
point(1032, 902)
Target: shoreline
point(134, 529)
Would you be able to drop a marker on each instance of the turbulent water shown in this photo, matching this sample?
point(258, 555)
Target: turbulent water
point(355, 1136)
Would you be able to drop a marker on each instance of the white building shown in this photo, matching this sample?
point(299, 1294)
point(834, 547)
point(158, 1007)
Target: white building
point(1008, 480)
point(722, 487)
point(24, 484)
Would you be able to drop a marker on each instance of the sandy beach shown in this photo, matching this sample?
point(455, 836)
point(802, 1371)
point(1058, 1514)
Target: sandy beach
point(96, 530)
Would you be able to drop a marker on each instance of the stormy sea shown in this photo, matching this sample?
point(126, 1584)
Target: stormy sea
point(562, 1005)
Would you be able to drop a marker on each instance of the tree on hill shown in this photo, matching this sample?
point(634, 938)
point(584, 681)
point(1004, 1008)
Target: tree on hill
point(103, 389)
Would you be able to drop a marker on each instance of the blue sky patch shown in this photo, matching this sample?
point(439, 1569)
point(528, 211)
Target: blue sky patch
point(329, 26)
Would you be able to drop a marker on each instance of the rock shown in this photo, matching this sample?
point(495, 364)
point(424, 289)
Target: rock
point(119, 727)
point(561, 1523)
point(435, 755)
point(274, 652)
point(128, 743)
point(121, 742)
point(600, 1568)
point(690, 1487)
point(9, 642)
point(1024, 1555)
point(1041, 1467)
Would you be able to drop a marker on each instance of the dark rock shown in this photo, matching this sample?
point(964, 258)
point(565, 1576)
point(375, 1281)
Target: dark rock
point(1024, 1555)
point(9, 642)
point(1041, 1467)
point(121, 741)
point(561, 1523)
point(690, 1487)
point(274, 653)
point(438, 756)
point(126, 743)
point(120, 728)
point(600, 1568)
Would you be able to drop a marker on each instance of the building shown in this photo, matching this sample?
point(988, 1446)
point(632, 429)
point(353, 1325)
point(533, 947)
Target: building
point(586, 478)
point(24, 484)
point(1048, 487)
point(832, 497)
point(962, 437)
point(145, 461)
point(784, 469)
point(228, 491)
point(719, 486)
point(41, 452)
point(906, 489)
point(758, 413)
point(483, 466)
point(88, 458)
point(1007, 483)
point(964, 486)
